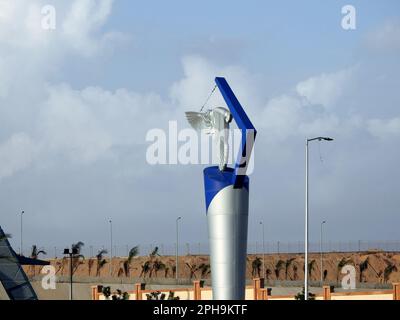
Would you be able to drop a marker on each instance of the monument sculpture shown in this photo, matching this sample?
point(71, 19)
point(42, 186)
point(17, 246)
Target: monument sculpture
point(227, 195)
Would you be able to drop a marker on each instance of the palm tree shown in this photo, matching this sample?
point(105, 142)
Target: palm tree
point(295, 268)
point(78, 247)
point(100, 261)
point(278, 268)
point(311, 266)
point(256, 267)
point(157, 266)
point(145, 269)
point(288, 263)
point(363, 266)
point(173, 271)
point(61, 265)
point(388, 271)
point(268, 273)
point(77, 258)
point(166, 271)
point(148, 267)
point(90, 265)
point(127, 263)
point(154, 253)
point(35, 252)
point(34, 255)
point(192, 268)
point(205, 269)
point(378, 274)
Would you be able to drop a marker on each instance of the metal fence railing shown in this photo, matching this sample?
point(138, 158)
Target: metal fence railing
point(202, 248)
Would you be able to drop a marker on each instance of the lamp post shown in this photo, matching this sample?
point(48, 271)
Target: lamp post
point(320, 250)
point(263, 247)
point(111, 246)
point(306, 218)
point(21, 251)
point(177, 247)
point(70, 253)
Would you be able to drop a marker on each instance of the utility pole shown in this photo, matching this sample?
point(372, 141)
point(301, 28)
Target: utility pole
point(177, 248)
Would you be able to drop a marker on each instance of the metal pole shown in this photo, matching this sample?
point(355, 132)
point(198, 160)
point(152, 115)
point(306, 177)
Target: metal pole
point(306, 232)
point(306, 218)
point(320, 250)
point(177, 248)
point(21, 252)
point(263, 247)
point(111, 247)
point(70, 274)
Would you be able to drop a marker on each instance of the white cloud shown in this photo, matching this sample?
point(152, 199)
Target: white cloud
point(83, 19)
point(86, 124)
point(325, 89)
point(71, 127)
point(78, 26)
point(384, 128)
point(311, 108)
point(199, 73)
point(16, 154)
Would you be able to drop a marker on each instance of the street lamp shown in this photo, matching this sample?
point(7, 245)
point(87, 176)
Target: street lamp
point(263, 247)
point(111, 246)
point(176, 251)
point(21, 251)
point(320, 249)
point(71, 254)
point(306, 217)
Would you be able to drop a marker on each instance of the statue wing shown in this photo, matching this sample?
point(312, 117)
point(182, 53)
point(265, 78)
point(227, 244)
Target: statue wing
point(198, 120)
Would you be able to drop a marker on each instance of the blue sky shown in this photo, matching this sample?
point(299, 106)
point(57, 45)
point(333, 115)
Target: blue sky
point(262, 35)
point(76, 104)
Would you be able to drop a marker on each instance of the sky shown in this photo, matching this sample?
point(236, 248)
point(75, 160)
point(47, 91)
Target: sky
point(77, 101)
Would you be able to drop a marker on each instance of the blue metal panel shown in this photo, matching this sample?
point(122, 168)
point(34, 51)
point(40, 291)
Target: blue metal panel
point(216, 180)
point(24, 261)
point(245, 125)
point(12, 275)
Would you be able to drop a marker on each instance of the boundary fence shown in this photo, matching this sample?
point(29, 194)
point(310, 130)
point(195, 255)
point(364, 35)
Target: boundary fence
point(201, 248)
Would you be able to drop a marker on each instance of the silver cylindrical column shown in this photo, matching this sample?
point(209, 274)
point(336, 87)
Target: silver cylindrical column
point(227, 216)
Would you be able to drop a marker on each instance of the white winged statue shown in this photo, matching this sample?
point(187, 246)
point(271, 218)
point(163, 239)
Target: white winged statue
point(215, 122)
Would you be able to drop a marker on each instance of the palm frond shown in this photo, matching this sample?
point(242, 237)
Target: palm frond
point(78, 246)
point(100, 254)
point(133, 253)
point(154, 252)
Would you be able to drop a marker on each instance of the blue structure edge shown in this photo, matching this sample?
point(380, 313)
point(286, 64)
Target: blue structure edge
point(216, 180)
